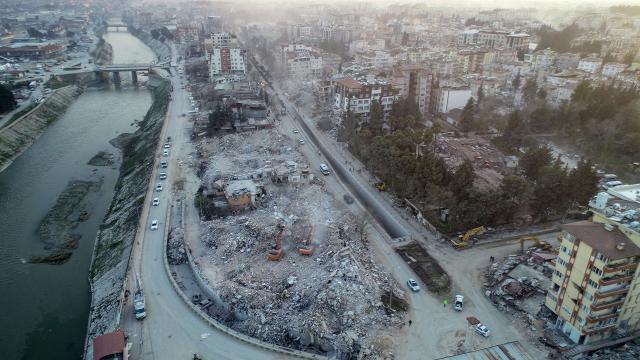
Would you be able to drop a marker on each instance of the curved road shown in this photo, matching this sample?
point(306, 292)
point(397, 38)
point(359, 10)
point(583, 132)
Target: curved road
point(171, 330)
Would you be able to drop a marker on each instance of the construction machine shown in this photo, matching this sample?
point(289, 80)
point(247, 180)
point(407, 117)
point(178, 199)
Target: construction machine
point(539, 243)
point(306, 247)
point(464, 239)
point(381, 186)
point(276, 253)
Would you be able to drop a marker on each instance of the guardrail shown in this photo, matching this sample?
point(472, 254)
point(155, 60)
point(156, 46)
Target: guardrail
point(223, 328)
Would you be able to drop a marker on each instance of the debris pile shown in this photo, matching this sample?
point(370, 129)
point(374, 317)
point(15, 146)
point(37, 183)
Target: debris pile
point(488, 161)
point(518, 285)
point(628, 351)
point(176, 254)
point(328, 299)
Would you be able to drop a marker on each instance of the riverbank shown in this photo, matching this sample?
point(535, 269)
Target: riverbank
point(115, 238)
point(162, 50)
point(20, 135)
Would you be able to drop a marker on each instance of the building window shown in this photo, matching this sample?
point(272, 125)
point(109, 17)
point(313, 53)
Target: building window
point(603, 258)
point(562, 262)
point(593, 284)
point(596, 270)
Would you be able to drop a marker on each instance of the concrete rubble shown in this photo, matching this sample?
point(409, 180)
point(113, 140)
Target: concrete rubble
point(628, 351)
point(517, 285)
point(330, 302)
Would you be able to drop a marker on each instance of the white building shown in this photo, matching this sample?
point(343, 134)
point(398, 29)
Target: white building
point(357, 96)
point(223, 61)
point(450, 97)
point(301, 61)
point(612, 69)
point(590, 64)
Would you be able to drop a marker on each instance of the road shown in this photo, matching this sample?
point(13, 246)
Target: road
point(171, 330)
point(464, 268)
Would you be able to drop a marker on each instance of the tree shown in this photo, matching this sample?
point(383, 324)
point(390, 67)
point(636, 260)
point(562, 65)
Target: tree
point(515, 193)
point(515, 131)
point(348, 127)
point(155, 34)
point(7, 101)
point(467, 117)
point(582, 183)
point(480, 94)
point(529, 90)
point(534, 160)
point(516, 81)
point(628, 57)
point(582, 92)
point(541, 94)
point(550, 192)
point(462, 181)
point(376, 117)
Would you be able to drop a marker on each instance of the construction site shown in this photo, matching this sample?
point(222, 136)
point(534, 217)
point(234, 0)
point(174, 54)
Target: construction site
point(489, 163)
point(291, 264)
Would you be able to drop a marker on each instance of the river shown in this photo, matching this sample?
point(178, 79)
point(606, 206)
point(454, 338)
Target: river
point(44, 308)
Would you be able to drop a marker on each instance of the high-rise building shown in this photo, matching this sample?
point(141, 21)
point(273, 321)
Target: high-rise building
point(596, 286)
point(225, 56)
point(418, 83)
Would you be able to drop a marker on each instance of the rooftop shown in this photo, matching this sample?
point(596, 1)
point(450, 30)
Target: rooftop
point(512, 350)
point(108, 344)
point(611, 243)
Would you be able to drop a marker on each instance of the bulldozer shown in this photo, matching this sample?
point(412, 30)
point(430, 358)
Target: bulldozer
point(381, 186)
point(276, 253)
point(464, 239)
point(539, 243)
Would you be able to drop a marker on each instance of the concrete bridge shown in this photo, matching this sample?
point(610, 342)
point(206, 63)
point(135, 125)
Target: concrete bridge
point(116, 26)
point(116, 69)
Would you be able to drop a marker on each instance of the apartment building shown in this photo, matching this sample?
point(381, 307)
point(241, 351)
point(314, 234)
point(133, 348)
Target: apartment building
point(596, 289)
point(417, 84)
point(449, 97)
point(590, 64)
point(612, 69)
point(356, 96)
point(301, 61)
point(224, 56)
point(494, 39)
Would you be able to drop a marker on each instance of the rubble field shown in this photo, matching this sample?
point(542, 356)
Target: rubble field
point(333, 302)
point(487, 160)
point(429, 271)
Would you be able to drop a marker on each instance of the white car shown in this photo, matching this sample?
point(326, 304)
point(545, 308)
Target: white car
point(159, 187)
point(154, 225)
point(167, 145)
point(296, 131)
point(459, 301)
point(163, 176)
point(165, 152)
point(301, 141)
point(155, 202)
point(482, 330)
point(413, 285)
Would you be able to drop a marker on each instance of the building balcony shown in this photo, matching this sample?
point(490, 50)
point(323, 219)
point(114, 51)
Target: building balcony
point(598, 318)
point(612, 292)
point(596, 330)
point(615, 280)
point(607, 305)
point(621, 266)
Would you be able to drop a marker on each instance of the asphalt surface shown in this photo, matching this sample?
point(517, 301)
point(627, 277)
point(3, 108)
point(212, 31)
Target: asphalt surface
point(171, 330)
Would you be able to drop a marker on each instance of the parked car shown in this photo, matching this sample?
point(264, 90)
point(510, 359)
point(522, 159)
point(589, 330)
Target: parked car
point(164, 164)
point(154, 225)
point(167, 145)
point(301, 141)
point(159, 187)
point(155, 202)
point(163, 176)
point(482, 330)
point(459, 300)
point(413, 285)
point(165, 152)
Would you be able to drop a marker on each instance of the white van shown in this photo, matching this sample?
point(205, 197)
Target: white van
point(324, 169)
point(192, 111)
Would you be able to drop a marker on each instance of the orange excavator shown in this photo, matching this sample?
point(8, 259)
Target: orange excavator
point(306, 248)
point(276, 253)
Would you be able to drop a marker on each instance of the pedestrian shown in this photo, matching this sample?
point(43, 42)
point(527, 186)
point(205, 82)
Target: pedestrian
point(492, 259)
point(409, 322)
point(445, 302)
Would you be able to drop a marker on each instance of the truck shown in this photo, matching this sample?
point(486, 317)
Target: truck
point(138, 305)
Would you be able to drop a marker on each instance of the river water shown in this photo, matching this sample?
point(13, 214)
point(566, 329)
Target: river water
point(44, 308)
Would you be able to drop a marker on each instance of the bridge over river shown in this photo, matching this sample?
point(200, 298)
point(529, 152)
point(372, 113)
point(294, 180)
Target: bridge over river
point(116, 69)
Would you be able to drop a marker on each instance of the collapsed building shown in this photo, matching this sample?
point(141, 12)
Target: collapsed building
point(292, 265)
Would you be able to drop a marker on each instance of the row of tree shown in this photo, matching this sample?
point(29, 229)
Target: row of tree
point(7, 101)
point(401, 152)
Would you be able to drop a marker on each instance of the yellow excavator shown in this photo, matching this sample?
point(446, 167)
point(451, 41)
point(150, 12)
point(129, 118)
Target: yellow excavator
point(539, 243)
point(464, 239)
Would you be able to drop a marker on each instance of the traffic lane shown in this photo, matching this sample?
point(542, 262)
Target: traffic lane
point(371, 203)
